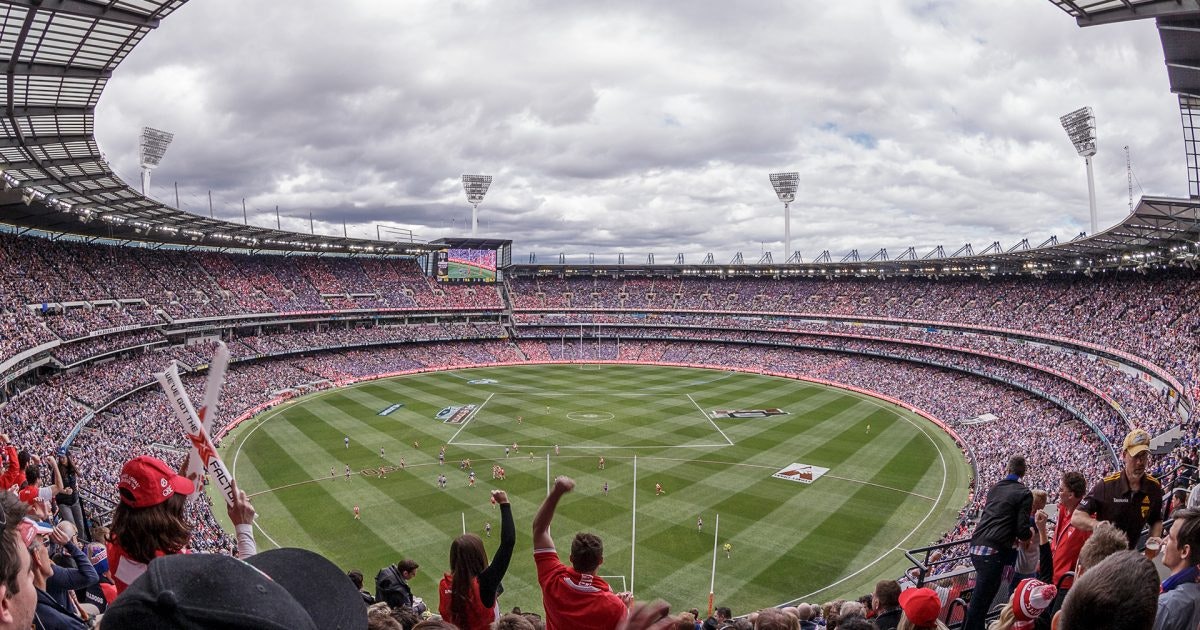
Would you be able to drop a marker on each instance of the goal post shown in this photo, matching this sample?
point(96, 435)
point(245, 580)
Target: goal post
point(612, 581)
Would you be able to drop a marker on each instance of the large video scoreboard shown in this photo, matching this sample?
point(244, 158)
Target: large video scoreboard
point(472, 260)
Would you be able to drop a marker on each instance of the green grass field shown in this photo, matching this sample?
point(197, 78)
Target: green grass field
point(898, 487)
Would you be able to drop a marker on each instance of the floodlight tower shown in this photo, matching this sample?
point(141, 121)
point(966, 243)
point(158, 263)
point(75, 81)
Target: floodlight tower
point(1080, 126)
point(476, 186)
point(785, 187)
point(152, 145)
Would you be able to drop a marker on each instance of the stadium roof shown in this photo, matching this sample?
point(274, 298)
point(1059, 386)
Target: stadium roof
point(1096, 12)
point(1159, 231)
point(61, 54)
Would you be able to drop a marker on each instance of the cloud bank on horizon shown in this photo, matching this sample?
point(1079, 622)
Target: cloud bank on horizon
point(649, 127)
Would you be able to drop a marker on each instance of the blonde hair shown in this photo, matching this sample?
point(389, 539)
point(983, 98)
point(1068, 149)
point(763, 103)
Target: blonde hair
point(906, 624)
point(1006, 620)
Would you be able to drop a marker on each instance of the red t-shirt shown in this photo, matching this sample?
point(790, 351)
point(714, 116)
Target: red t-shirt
point(574, 600)
point(481, 617)
point(29, 494)
point(1068, 541)
point(13, 475)
point(125, 570)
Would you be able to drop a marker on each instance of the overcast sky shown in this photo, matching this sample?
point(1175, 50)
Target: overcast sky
point(638, 127)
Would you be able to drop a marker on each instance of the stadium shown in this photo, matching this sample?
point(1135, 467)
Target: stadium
point(750, 435)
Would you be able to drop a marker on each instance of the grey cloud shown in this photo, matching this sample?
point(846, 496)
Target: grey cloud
point(630, 126)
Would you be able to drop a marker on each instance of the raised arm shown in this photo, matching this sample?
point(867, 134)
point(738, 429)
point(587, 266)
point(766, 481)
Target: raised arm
point(545, 513)
point(490, 577)
point(58, 482)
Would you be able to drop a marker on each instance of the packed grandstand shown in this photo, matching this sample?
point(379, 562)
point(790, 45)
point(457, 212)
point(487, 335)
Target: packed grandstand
point(1063, 349)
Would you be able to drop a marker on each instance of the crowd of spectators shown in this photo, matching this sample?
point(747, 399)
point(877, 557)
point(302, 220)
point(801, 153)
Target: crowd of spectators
point(1152, 316)
point(995, 388)
point(63, 290)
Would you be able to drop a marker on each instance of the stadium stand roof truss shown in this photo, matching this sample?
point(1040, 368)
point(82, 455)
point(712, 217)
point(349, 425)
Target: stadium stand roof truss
point(60, 55)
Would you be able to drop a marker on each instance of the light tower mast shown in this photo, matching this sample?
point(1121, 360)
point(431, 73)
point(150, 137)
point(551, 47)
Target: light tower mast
point(152, 145)
point(785, 185)
point(476, 187)
point(1080, 126)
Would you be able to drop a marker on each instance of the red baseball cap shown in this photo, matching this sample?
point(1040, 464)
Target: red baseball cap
point(30, 529)
point(921, 606)
point(147, 481)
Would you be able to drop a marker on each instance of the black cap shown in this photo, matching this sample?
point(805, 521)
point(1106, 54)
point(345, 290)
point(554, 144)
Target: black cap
point(289, 589)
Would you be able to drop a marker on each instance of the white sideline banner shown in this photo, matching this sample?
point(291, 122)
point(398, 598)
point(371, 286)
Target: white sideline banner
point(804, 473)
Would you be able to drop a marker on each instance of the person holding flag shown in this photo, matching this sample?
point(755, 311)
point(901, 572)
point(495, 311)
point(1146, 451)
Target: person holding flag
point(148, 522)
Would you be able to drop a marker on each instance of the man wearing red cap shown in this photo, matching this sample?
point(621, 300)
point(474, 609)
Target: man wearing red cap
point(921, 608)
point(1129, 498)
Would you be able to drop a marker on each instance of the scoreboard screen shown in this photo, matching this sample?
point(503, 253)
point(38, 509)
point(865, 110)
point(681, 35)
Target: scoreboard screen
point(466, 265)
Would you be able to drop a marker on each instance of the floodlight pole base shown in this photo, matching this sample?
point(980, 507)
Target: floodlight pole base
point(474, 219)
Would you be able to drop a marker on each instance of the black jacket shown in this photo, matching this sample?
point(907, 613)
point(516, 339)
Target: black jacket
point(1005, 516)
point(392, 588)
point(888, 620)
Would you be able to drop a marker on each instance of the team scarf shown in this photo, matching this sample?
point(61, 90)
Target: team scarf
point(1183, 577)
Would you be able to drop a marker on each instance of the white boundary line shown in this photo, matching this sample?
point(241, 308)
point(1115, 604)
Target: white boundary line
point(879, 485)
point(470, 418)
point(264, 533)
point(936, 503)
point(710, 420)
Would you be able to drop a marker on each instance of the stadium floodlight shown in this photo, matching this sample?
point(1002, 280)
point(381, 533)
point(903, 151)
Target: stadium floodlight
point(785, 187)
point(476, 187)
point(1080, 126)
point(152, 145)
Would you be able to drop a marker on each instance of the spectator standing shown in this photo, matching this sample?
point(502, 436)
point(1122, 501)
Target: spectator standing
point(1029, 551)
point(33, 492)
point(1130, 498)
point(69, 505)
point(1068, 540)
point(468, 593)
point(1005, 519)
point(14, 474)
point(574, 598)
point(1179, 602)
